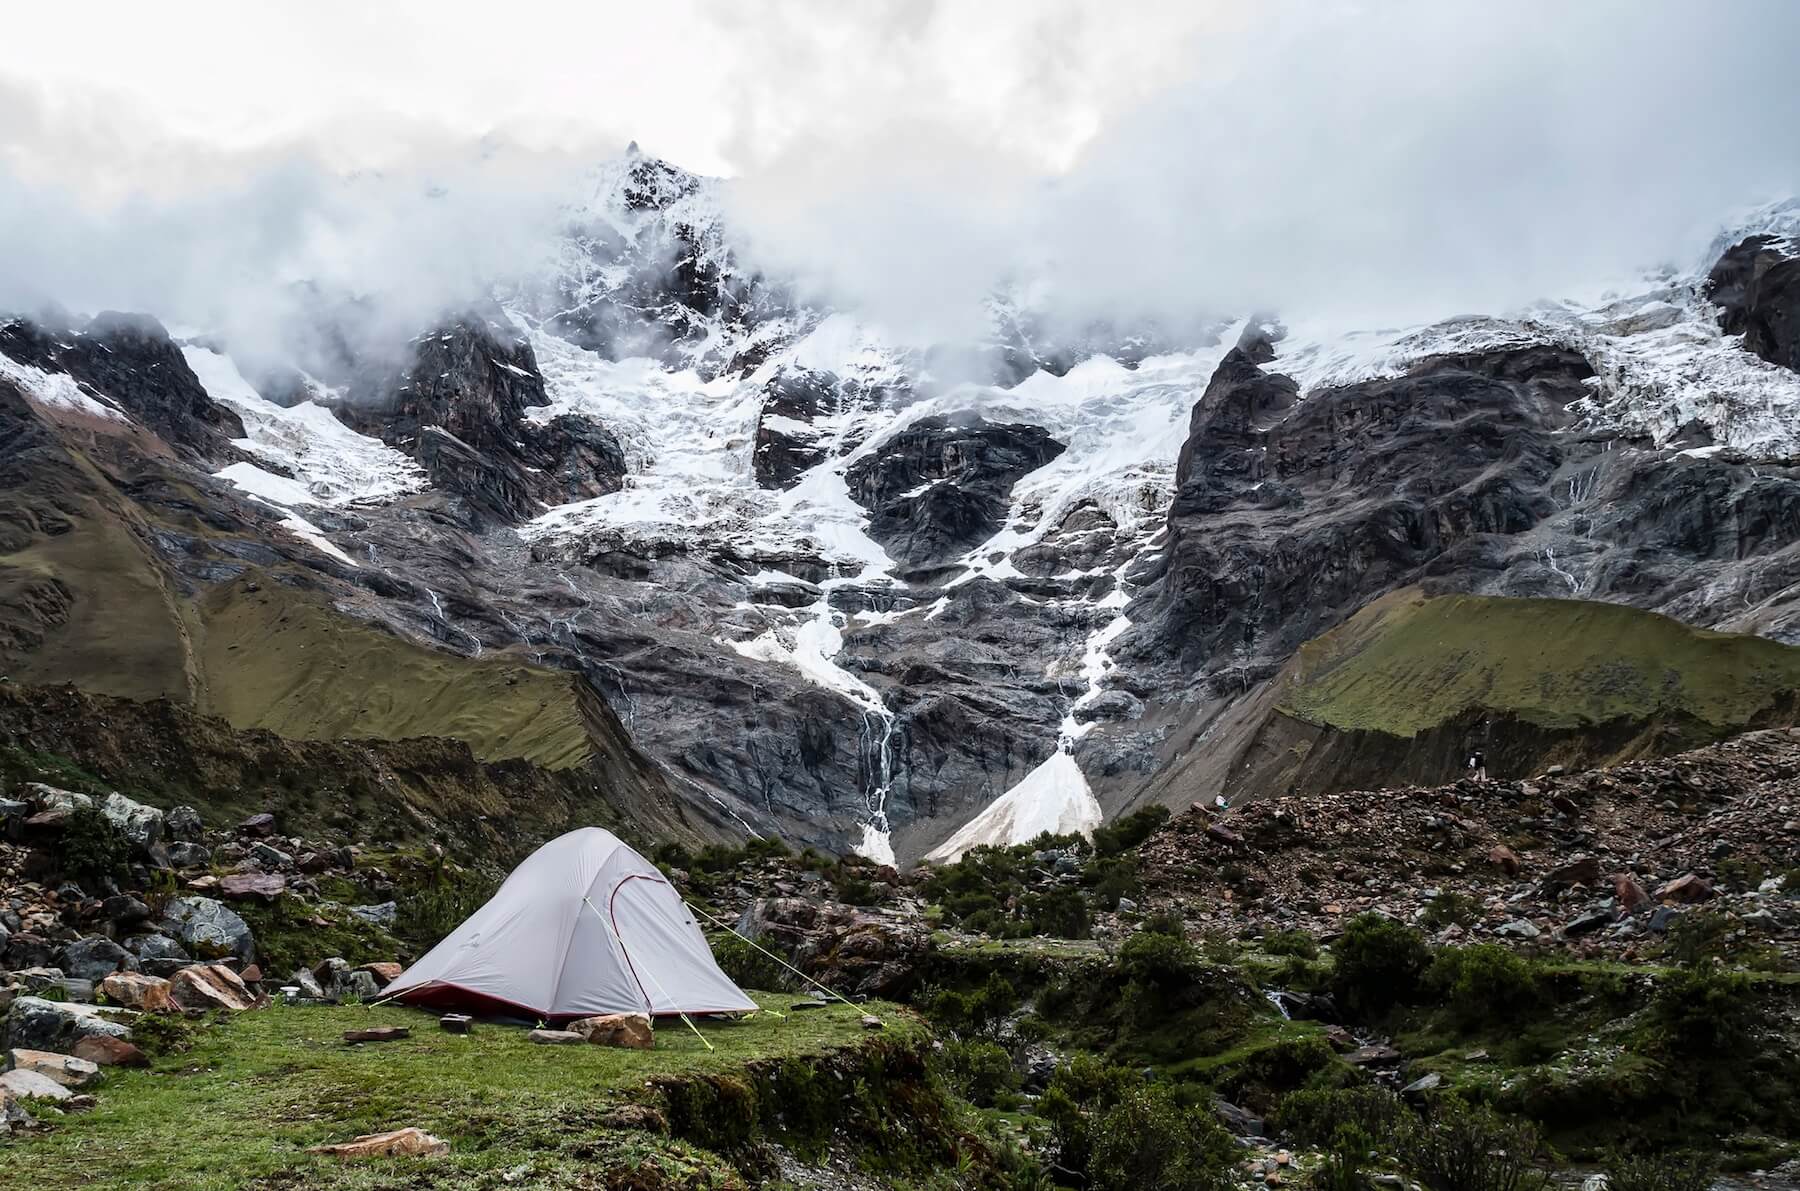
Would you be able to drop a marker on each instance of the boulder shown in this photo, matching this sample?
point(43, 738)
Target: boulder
point(1582, 870)
point(382, 915)
point(187, 855)
point(261, 886)
point(66, 1070)
point(209, 986)
point(1586, 924)
point(37, 1024)
point(142, 825)
point(629, 1030)
point(95, 958)
point(260, 826)
point(385, 973)
point(183, 823)
point(33, 1085)
point(401, 1143)
point(1685, 889)
point(1240, 1122)
point(1631, 896)
point(1505, 859)
point(1422, 1085)
point(1518, 928)
point(209, 929)
point(11, 1115)
point(308, 984)
point(270, 857)
point(343, 982)
point(125, 910)
point(26, 949)
point(134, 990)
point(110, 1052)
point(50, 798)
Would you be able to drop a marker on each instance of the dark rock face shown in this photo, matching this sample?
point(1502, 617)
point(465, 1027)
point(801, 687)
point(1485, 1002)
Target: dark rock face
point(1286, 517)
point(131, 360)
point(1757, 288)
point(461, 409)
point(939, 488)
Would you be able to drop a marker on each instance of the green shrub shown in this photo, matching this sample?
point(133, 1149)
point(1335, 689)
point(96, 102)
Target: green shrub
point(977, 1013)
point(158, 1034)
point(1379, 964)
point(1704, 1010)
point(1697, 936)
point(444, 899)
point(1148, 1140)
point(91, 849)
point(1482, 982)
point(1462, 1147)
point(1122, 835)
point(1669, 1171)
point(1061, 913)
point(1164, 922)
point(980, 1072)
point(1110, 878)
point(1314, 1116)
point(1292, 942)
point(747, 967)
point(1345, 1157)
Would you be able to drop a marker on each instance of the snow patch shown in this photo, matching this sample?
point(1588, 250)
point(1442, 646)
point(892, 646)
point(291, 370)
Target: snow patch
point(57, 390)
point(1053, 798)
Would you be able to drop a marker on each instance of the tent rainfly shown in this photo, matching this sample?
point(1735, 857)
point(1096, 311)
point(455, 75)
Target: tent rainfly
point(584, 926)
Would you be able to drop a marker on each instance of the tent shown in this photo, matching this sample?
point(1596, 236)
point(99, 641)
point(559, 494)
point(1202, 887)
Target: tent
point(584, 926)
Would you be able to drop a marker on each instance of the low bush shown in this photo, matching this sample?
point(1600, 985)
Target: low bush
point(1462, 1147)
point(1703, 1010)
point(1124, 834)
point(1483, 982)
point(1670, 1171)
point(1314, 1117)
point(976, 1013)
point(1115, 1131)
point(1292, 942)
point(980, 1072)
point(1379, 963)
point(91, 849)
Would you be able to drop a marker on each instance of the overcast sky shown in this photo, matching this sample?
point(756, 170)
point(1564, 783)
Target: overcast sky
point(1389, 156)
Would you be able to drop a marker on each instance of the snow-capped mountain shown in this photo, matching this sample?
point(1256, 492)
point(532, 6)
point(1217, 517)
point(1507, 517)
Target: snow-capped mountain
point(837, 596)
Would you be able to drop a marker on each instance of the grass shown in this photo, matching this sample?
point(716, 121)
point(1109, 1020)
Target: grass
point(277, 659)
point(1407, 663)
point(244, 1104)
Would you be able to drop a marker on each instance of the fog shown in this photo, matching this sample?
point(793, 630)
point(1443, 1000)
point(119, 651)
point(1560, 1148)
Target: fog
point(1363, 162)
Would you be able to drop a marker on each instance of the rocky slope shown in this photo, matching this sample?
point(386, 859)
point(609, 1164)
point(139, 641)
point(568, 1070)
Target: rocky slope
point(835, 596)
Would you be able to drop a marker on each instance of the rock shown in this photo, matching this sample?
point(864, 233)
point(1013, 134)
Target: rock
point(1586, 924)
point(1419, 1087)
point(134, 990)
point(37, 1024)
point(401, 1143)
point(262, 886)
point(1127, 906)
point(1240, 1121)
point(1582, 870)
point(1629, 894)
point(630, 1030)
point(158, 955)
point(270, 857)
point(1505, 859)
point(1223, 834)
point(1685, 889)
point(260, 826)
point(183, 823)
point(1518, 928)
point(210, 986)
point(95, 958)
point(1377, 1055)
point(209, 929)
point(798, 1005)
point(125, 910)
point(308, 984)
point(384, 973)
point(377, 1034)
point(142, 825)
point(66, 1070)
point(50, 798)
point(556, 1038)
point(382, 915)
point(110, 1052)
point(871, 1022)
point(456, 1023)
point(252, 974)
point(186, 855)
point(33, 1085)
point(25, 949)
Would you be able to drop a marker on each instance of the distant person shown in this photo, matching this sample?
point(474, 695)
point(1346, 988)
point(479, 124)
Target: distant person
point(1478, 765)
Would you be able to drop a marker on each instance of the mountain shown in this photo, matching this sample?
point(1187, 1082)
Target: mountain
point(761, 566)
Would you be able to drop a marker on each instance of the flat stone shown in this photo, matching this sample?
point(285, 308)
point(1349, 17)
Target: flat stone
point(1685, 889)
point(263, 886)
point(456, 1023)
point(385, 973)
point(871, 1022)
point(1378, 1055)
point(400, 1143)
point(134, 990)
point(378, 1034)
point(33, 1085)
point(262, 825)
point(1419, 1087)
point(37, 1024)
point(556, 1038)
point(66, 1070)
point(810, 1005)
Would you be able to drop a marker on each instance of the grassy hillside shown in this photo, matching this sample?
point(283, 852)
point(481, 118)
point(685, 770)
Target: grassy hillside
point(1407, 663)
point(280, 659)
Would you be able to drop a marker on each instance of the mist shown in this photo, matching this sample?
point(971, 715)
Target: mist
point(1367, 163)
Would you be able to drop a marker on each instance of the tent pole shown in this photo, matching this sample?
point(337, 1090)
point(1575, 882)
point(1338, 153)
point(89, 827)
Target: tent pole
point(784, 963)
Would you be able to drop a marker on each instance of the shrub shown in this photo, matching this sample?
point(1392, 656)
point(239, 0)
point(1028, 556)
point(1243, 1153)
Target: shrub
point(1451, 909)
point(1062, 913)
point(158, 1034)
point(1127, 833)
point(980, 1072)
point(1697, 936)
point(92, 850)
point(1314, 1117)
point(747, 967)
point(1670, 1171)
point(1482, 981)
point(974, 1014)
point(1164, 922)
point(1149, 1140)
point(1342, 1169)
point(1461, 1147)
point(1705, 1010)
point(1379, 964)
point(1111, 878)
point(1292, 942)
point(445, 898)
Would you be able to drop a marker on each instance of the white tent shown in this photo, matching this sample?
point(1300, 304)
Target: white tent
point(584, 926)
